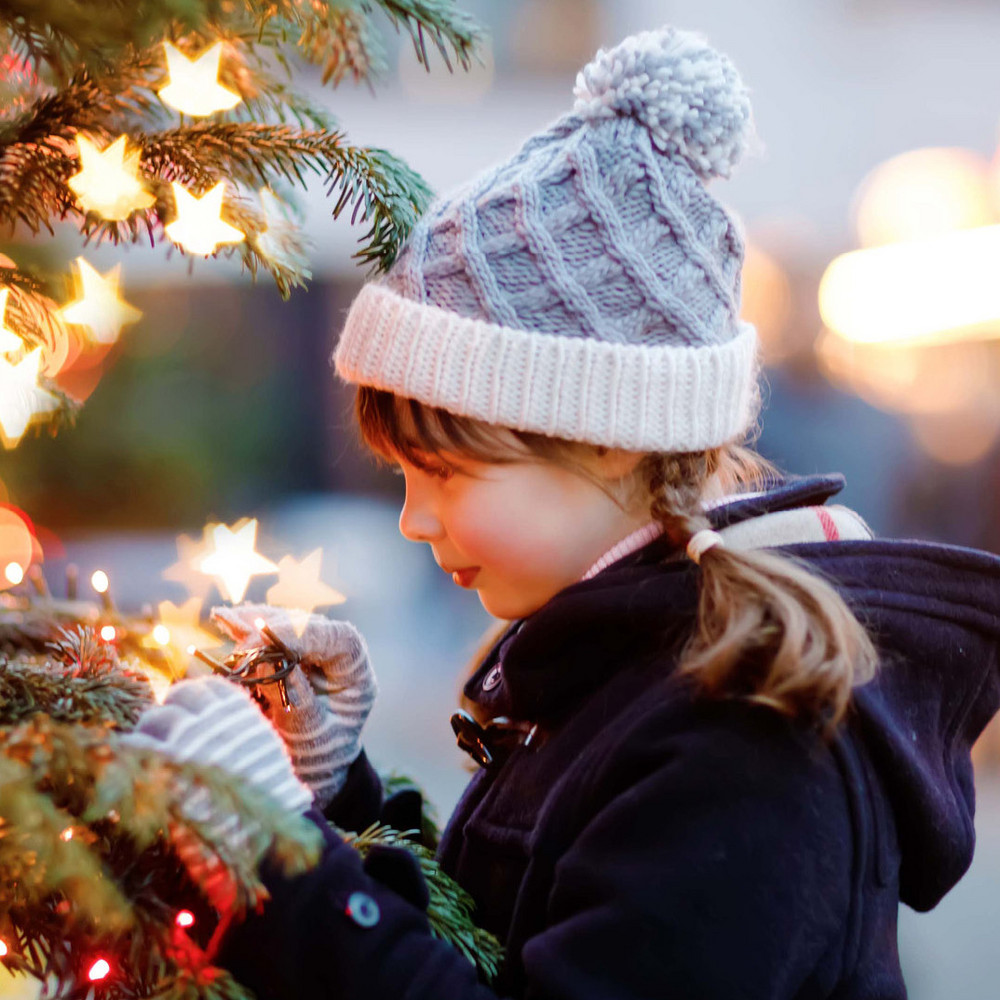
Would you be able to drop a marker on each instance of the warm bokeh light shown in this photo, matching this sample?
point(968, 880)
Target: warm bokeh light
point(108, 182)
point(957, 438)
point(942, 289)
point(99, 306)
point(158, 681)
point(767, 302)
point(10, 341)
point(178, 628)
point(17, 545)
point(199, 227)
point(108, 633)
point(22, 399)
point(99, 970)
point(190, 552)
point(67, 834)
point(924, 193)
point(194, 87)
point(99, 581)
point(933, 380)
point(3, 948)
point(233, 560)
point(300, 587)
point(184, 919)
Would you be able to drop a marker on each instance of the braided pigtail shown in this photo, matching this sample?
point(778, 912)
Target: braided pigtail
point(768, 629)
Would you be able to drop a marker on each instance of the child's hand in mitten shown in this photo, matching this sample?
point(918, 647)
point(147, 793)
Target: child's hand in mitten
point(213, 721)
point(331, 693)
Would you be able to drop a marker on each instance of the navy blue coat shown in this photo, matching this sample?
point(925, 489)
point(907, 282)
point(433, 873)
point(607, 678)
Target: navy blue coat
point(648, 843)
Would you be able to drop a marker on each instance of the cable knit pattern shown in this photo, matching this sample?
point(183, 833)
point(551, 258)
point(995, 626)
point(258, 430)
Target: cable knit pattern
point(588, 287)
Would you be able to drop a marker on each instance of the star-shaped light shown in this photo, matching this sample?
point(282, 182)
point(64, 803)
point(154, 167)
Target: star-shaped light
point(299, 586)
point(178, 627)
point(108, 182)
point(99, 306)
point(194, 87)
point(198, 227)
point(9, 340)
point(185, 571)
point(21, 397)
point(233, 559)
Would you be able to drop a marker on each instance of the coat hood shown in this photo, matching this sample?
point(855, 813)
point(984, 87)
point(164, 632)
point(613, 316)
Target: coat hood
point(933, 611)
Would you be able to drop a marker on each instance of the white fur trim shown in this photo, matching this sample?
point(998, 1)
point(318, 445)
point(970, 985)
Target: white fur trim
point(621, 395)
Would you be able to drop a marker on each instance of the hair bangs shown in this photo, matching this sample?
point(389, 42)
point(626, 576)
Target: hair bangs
point(394, 426)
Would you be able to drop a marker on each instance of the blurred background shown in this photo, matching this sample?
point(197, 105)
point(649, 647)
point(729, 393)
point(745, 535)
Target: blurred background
point(873, 223)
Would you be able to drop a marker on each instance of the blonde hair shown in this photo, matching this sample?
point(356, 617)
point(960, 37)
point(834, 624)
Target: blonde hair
point(768, 629)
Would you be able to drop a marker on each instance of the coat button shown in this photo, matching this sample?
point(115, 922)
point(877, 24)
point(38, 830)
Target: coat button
point(362, 909)
point(492, 679)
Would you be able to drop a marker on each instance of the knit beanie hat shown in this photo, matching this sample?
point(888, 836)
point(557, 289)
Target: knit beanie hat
point(589, 287)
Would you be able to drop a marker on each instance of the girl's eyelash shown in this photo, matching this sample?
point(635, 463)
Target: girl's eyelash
point(442, 472)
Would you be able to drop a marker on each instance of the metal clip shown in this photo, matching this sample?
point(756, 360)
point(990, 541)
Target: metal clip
point(483, 743)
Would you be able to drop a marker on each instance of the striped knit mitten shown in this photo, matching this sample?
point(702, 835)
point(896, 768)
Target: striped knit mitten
point(331, 695)
point(212, 721)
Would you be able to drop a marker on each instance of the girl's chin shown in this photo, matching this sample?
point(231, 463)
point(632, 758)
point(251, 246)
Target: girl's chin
point(506, 610)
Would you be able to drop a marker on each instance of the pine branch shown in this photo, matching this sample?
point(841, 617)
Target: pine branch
point(113, 884)
point(450, 910)
point(63, 34)
point(31, 310)
point(379, 188)
point(342, 41)
point(446, 25)
point(88, 693)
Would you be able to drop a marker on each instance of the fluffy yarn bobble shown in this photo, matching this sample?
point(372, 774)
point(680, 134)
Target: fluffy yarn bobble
point(687, 94)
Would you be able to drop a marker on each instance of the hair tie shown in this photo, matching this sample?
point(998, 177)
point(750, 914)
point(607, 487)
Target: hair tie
point(701, 541)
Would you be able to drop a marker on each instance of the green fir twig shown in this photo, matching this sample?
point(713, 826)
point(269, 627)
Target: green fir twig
point(450, 910)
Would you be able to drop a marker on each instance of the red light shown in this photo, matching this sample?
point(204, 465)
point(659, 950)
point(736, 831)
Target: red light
point(98, 970)
point(184, 919)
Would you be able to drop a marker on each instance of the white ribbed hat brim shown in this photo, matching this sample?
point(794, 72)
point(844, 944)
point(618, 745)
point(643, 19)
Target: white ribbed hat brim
point(641, 398)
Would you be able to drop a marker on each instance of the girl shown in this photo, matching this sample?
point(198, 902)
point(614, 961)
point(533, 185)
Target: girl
point(724, 731)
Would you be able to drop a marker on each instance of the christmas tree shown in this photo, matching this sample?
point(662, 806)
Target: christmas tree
point(173, 123)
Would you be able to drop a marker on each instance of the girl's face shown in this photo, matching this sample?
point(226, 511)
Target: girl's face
point(519, 532)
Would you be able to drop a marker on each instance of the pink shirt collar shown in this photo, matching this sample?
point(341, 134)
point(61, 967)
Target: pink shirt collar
point(644, 535)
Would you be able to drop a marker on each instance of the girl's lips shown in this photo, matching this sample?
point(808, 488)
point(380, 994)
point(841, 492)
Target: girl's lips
point(464, 577)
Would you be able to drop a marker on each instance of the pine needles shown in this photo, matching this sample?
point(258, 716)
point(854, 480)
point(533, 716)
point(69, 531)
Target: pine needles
point(95, 69)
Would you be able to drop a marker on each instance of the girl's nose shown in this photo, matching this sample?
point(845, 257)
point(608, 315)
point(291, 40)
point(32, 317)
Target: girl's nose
point(417, 522)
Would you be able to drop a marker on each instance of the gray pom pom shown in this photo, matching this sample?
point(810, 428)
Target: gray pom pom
point(687, 94)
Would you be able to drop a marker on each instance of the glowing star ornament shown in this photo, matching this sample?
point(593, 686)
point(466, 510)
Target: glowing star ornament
point(179, 626)
point(198, 227)
point(233, 559)
point(99, 307)
point(108, 182)
point(299, 586)
point(194, 87)
point(21, 398)
point(10, 342)
point(190, 552)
